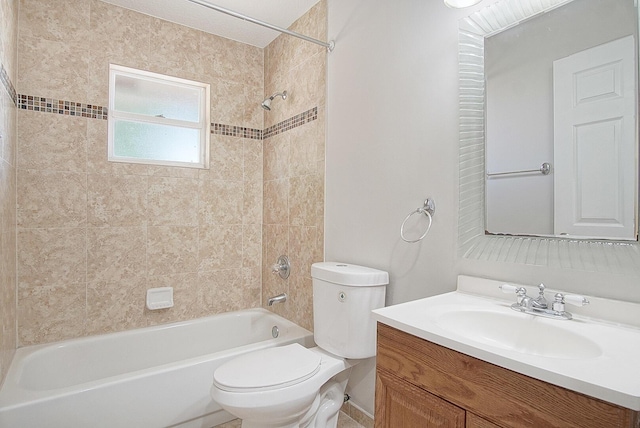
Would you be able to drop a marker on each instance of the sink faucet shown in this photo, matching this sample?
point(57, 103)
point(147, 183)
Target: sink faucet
point(538, 303)
point(540, 306)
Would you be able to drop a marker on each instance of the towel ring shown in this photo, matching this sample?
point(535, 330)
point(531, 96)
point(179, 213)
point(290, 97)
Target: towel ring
point(428, 209)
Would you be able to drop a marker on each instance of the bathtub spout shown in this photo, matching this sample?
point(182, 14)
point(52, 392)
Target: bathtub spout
point(280, 298)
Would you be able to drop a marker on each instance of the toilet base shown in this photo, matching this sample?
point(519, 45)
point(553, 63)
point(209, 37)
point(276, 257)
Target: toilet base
point(323, 413)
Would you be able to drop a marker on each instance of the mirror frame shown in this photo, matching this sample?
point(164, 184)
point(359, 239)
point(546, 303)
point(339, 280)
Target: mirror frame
point(619, 257)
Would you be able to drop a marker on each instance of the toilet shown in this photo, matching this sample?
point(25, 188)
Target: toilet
point(293, 386)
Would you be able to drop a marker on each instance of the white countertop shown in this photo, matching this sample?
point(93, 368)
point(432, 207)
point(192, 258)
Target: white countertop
point(610, 373)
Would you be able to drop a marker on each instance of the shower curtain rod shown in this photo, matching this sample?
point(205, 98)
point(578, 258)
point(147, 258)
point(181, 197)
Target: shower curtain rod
point(329, 45)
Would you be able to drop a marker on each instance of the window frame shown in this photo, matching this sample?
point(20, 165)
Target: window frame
point(204, 124)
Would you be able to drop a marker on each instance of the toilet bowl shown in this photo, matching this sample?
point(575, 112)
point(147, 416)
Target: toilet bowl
point(293, 386)
point(281, 387)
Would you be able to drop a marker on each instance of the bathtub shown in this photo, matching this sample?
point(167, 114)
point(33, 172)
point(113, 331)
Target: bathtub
point(150, 377)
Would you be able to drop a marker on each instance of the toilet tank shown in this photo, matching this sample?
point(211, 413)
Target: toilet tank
point(343, 297)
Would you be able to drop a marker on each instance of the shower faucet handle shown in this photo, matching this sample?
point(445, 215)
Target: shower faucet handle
point(282, 267)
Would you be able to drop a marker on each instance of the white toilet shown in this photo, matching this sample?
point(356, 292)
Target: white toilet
point(292, 386)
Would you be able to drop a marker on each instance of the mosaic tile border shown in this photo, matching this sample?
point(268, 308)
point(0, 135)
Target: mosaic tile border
point(292, 122)
point(70, 108)
point(6, 82)
point(67, 108)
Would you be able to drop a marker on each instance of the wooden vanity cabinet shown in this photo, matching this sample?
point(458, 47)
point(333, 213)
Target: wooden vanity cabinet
point(420, 384)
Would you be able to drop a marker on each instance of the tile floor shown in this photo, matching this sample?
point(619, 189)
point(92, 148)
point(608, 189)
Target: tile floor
point(344, 421)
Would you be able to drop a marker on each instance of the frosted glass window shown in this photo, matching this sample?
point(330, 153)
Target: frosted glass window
point(157, 119)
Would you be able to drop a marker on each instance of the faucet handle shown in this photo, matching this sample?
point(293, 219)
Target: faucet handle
point(506, 288)
point(576, 299)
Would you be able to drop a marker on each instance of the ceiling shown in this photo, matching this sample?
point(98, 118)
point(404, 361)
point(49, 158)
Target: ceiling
point(281, 13)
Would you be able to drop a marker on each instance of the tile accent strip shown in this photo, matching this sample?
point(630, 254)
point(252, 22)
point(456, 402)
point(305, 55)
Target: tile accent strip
point(6, 82)
point(236, 131)
point(292, 122)
point(70, 108)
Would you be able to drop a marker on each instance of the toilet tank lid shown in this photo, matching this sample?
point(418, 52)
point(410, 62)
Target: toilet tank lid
point(348, 274)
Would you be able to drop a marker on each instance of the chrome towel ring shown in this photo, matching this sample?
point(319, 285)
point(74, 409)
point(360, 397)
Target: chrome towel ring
point(428, 209)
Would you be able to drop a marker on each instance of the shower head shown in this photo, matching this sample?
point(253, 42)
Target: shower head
point(266, 104)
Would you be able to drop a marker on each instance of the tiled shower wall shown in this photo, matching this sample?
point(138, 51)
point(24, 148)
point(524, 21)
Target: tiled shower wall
point(8, 37)
point(294, 165)
point(93, 236)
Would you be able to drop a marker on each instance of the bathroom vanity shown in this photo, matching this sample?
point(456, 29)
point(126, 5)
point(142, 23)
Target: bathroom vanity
point(434, 370)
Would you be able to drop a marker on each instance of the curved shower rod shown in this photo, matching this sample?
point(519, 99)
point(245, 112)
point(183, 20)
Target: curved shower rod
point(330, 45)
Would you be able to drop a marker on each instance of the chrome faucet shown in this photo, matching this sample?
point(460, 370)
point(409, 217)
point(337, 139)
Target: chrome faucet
point(530, 303)
point(280, 298)
point(540, 306)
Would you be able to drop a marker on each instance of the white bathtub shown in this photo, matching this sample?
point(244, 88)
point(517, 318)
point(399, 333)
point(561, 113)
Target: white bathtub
point(151, 377)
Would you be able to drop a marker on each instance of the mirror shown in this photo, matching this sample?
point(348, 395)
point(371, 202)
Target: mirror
point(477, 31)
point(561, 91)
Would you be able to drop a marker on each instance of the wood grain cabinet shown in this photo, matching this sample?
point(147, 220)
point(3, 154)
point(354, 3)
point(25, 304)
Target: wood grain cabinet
point(420, 384)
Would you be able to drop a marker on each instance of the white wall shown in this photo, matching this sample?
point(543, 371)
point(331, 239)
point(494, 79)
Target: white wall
point(392, 141)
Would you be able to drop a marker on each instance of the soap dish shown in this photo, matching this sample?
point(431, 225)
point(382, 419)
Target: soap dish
point(160, 298)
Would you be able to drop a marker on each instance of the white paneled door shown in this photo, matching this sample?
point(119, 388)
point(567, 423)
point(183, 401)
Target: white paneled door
point(595, 151)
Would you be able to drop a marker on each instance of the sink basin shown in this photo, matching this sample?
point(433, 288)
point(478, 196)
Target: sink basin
point(590, 355)
point(518, 332)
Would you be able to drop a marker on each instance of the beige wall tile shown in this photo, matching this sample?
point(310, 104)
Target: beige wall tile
point(116, 253)
point(303, 155)
point(253, 160)
point(172, 249)
point(52, 257)
point(66, 21)
point(7, 198)
point(276, 157)
point(120, 32)
point(231, 60)
point(228, 103)
point(276, 202)
point(119, 200)
point(51, 199)
point(63, 147)
point(175, 49)
point(226, 159)
point(220, 247)
point(227, 290)
point(172, 201)
point(52, 69)
point(306, 199)
point(252, 245)
point(173, 171)
point(116, 305)
point(220, 202)
point(47, 313)
point(252, 203)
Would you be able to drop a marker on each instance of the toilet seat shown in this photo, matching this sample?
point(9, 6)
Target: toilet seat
point(268, 369)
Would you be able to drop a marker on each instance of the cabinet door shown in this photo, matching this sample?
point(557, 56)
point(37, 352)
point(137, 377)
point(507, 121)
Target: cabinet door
point(400, 404)
point(475, 421)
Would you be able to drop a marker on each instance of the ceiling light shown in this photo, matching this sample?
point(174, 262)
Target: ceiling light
point(458, 4)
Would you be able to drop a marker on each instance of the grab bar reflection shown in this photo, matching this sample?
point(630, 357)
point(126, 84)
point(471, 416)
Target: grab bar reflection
point(544, 169)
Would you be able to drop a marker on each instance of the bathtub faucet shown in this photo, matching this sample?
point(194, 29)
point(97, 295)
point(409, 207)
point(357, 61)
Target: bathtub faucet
point(280, 298)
